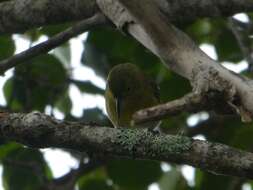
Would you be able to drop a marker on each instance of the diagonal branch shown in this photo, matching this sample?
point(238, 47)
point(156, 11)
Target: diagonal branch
point(38, 130)
point(53, 42)
point(144, 21)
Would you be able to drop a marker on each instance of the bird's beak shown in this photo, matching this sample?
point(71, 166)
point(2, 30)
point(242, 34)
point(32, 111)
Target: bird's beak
point(118, 107)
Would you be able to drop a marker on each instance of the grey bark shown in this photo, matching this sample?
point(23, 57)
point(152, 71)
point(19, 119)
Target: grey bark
point(144, 21)
point(20, 15)
point(38, 130)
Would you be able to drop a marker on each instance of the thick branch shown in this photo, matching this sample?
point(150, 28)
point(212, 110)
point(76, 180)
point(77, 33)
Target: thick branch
point(143, 20)
point(20, 15)
point(38, 130)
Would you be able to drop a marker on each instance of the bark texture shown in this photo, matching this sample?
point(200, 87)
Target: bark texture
point(20, 15)
point(144, 21)
point(40, 131)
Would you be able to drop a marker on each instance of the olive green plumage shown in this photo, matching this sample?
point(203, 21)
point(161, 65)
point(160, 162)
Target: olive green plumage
point(128, 90)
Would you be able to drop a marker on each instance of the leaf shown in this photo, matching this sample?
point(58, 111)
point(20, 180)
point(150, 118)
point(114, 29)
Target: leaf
point(9, 95)
point(173, 86)
point(37, 84)
point(101, 53)
point(227, 47)
point(172, 180)
point(201, 31)
point(51, 30)
point(211, 181)
point(133, 174)
point(5, 149)
point(24, 169)
point(7, 47)
point(88, 87)
point(64, 104)
point(95, 184)
point(96, 180)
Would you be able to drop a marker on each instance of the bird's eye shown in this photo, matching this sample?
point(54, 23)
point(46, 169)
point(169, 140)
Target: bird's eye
point(128, 88)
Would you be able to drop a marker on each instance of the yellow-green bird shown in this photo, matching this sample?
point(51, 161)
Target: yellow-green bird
point(128, 90)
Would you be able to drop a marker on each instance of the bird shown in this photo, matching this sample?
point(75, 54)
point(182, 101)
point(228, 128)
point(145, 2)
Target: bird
point(129, 89)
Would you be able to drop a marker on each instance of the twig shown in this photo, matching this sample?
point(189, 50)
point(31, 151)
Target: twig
point(53, 42)
point(191, 102)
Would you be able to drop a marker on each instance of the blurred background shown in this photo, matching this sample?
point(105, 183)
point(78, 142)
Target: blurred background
point(68, 83)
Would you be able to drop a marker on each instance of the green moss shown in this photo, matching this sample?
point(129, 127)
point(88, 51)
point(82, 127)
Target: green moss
point(129, 138)
point(170, 145)
point(152, 145)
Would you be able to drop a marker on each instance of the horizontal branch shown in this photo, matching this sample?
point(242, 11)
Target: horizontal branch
point(52, 43)
point(20, 15)
point(189, 103)
point(38, 130)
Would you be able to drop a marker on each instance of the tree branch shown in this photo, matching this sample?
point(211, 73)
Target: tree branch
point(38, 130)
point(53, 42)
point(20, 15)
point(189, 103)
point(143, 20)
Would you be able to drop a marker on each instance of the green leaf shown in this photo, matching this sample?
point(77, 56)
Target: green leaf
point(134, 174)
point(64, 104)
point(201, 31)
point(172, 180)
point(173, 86)
point(24, 169)
point(88, 87)
point(96, 180)
point(227, 47)
point(5, 149)
point(51, 30)
point(10, 96)
point(212, 181)
point(216, 32)
point(37, 84)
point(101, 53)
point(7, 47)
point(95, 184)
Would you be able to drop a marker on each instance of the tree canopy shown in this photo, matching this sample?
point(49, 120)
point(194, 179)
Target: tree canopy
point(124, 159)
